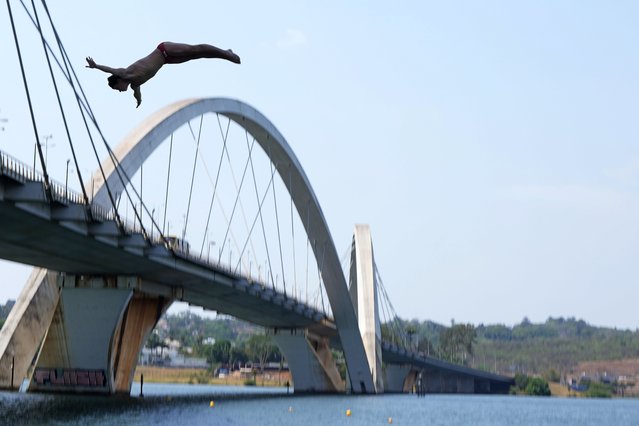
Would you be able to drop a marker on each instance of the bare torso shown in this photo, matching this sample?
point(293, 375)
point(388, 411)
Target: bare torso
point(144, 69)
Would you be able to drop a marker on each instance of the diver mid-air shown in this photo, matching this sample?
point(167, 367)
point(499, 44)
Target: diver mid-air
point(166, 52)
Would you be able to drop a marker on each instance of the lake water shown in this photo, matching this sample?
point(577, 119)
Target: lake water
point(191, 405)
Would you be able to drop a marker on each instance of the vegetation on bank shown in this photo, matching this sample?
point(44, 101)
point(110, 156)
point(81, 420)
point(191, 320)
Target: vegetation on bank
point(532, 386)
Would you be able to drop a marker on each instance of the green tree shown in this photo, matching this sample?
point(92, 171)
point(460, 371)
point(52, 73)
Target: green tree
point(259, 347)
point(456, 342)
point(599, 390)
point(220, 352)
point(153, 341)
point(537, 387)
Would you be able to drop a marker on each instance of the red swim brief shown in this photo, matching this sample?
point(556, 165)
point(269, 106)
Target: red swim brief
point(168, 59)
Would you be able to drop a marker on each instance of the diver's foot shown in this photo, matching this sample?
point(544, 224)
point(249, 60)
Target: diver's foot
point(233, 57)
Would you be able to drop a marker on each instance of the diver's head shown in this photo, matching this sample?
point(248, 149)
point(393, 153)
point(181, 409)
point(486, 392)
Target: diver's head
point(117, 83)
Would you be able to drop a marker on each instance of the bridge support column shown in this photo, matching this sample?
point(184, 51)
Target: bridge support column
point(399, 378)
point(97, 331)
point(75, 355)
point(26, 325)
point(310, 361)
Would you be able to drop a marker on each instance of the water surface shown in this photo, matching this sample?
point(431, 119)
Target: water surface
point(191, 405)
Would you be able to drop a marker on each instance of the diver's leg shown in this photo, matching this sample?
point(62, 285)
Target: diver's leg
point(180, 52)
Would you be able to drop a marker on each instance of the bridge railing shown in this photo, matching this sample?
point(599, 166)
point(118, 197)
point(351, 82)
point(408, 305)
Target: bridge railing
point(16, 169)
point(21, 172)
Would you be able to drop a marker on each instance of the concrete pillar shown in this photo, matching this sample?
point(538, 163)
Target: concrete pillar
point(75, 356)
point(363, 291)
point(26, 325)
point(310, 361)
point(141, 315)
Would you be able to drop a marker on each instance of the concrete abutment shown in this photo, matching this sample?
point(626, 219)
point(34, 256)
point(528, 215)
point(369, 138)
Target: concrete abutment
point(72, 334)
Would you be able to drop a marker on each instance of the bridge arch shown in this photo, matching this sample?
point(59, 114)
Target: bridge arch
point(152, 132)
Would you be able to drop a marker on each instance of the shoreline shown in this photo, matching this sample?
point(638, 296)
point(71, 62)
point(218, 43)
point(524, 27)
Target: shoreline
point(156, 374)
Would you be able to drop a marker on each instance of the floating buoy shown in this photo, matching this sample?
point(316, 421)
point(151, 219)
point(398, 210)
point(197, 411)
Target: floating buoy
point(290, 409)
point(212, 404)
point(390, 420)
point(348, 412)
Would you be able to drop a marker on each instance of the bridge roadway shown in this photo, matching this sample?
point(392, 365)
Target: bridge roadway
point(61, 235)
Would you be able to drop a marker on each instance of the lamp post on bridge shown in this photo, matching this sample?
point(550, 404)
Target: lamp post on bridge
point(152, 222)
point(66, 182)
point(208, 252)
point(46, 149)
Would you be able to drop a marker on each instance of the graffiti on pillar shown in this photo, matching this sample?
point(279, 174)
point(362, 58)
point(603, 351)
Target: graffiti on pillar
point(61, 377)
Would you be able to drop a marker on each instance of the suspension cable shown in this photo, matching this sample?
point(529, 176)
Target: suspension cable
point(197, 150)
point(168, 177)
point(57, 92)
point(279, 237)
point(320, 271)
point(249, 239)
point(47, 184)
point(259, 210)
point(399, 327)
point(237, 198)
point(217, 178)
point(268, 255)
point(86, 106)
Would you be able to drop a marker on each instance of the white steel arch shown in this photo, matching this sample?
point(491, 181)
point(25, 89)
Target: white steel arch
point(141, 143)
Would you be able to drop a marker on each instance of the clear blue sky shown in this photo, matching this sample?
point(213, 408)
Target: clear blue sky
point(492, 146)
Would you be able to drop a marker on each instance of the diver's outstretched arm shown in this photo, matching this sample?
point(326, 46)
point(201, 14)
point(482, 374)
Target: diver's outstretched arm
point(115, 71)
